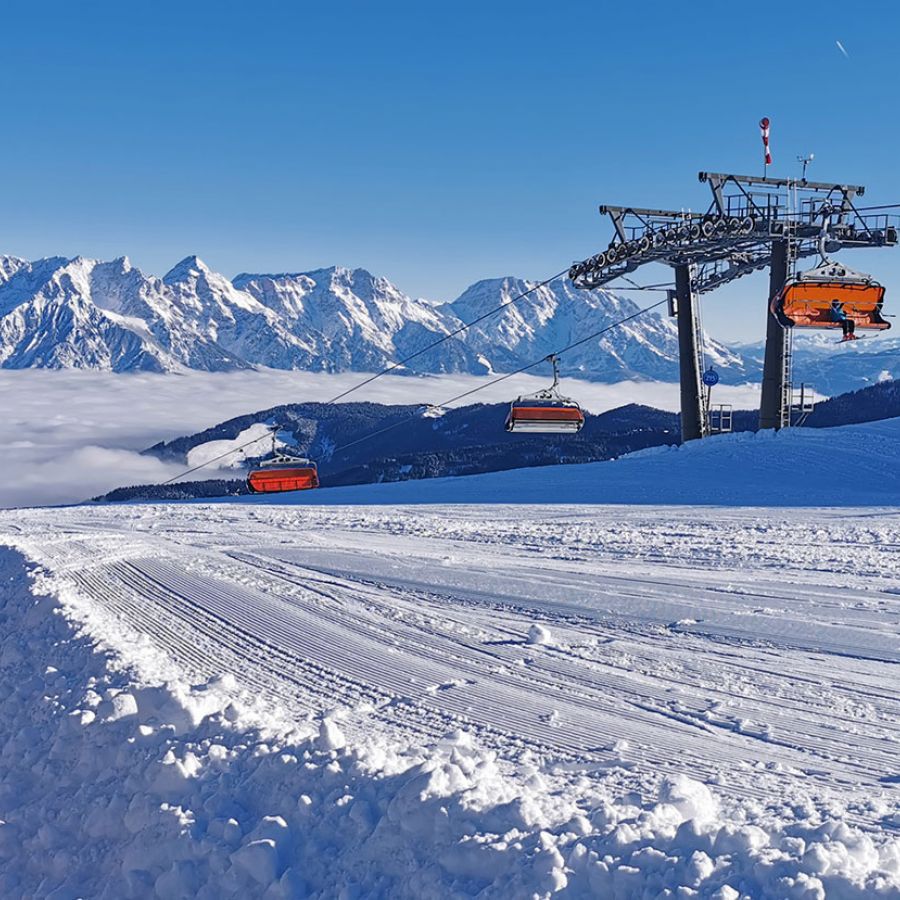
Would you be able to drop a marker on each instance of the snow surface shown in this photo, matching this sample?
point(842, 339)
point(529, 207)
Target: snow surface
point(254, 440)
point(249, 700)
point(69, 435)
point(847, 466)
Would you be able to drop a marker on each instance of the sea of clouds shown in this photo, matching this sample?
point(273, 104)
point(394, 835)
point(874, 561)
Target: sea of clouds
point(66, 436)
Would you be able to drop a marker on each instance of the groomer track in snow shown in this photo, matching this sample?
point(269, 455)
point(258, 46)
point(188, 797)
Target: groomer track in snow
point(584, 660)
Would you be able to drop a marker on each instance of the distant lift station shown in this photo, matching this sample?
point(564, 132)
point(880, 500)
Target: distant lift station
point(752, 223)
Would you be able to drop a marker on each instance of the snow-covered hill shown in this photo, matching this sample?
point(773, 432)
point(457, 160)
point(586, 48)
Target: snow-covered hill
point(81, 313)
point(847, 466)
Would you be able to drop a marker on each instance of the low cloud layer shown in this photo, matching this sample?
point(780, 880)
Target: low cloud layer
point(69, 435)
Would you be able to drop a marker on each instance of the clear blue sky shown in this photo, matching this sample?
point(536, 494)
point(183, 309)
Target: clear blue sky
point(432, 143)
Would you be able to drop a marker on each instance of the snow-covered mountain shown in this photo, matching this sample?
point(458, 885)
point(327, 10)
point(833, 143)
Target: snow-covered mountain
point(559, 314)
point(82, 313)
point(834, 368)
point(352, 320)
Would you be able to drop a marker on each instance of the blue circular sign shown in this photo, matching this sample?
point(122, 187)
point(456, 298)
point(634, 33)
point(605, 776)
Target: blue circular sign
point(710, 377)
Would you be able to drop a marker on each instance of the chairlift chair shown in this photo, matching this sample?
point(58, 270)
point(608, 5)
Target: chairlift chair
point(806, 300)
point(283, 472)
point(546, 412)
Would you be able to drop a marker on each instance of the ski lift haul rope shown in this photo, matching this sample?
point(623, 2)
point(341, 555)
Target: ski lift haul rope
point(572, 417)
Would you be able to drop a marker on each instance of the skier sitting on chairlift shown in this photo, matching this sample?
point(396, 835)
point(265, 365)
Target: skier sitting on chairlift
point(838, 314)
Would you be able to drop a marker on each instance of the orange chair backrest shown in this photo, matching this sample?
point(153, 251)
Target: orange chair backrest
point(547, 413)
point(809, 303)
point(270, 481)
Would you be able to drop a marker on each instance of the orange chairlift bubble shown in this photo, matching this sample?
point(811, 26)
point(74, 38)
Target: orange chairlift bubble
point(283, 472)
point(546, 412)
point(823, 297)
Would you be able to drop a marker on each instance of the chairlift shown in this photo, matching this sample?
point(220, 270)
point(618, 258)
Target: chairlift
point(809, 299)
point(547, 411)
point(283, 472)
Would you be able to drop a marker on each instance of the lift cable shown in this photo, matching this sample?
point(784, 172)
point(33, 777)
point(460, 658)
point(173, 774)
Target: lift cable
point(503, 377)
point(391, 367)
point(446, 337)
point(445, 403)
point(634, 286)
point(396, 365)
point(885, 206)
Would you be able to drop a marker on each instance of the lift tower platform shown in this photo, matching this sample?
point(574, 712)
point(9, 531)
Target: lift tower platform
point(751, 224)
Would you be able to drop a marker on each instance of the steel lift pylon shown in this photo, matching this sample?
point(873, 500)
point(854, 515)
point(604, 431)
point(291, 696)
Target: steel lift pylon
point(751, 224)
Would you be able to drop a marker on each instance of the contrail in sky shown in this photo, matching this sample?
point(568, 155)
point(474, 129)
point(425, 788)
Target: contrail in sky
point(840, 47)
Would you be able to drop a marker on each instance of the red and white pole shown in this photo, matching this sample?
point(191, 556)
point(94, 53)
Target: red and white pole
point(767, 157)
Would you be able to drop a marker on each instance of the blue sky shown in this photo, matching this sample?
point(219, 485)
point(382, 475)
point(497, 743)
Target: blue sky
point(435, 144)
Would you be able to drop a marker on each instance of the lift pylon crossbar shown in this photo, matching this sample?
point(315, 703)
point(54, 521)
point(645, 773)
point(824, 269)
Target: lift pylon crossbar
point(721, 177)
point(674, 238)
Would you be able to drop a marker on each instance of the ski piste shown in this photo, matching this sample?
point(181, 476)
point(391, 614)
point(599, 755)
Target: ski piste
point(431, 681)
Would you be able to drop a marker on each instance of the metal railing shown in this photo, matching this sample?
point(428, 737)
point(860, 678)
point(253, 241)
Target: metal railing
point(720, 418)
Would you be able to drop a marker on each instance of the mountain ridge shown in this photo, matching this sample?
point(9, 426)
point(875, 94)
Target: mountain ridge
point(109, 315)
point(85, 313)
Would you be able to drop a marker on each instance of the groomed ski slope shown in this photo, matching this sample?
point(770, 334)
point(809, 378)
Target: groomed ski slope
point(238, 700)
point(856, 465)
point(267, 699)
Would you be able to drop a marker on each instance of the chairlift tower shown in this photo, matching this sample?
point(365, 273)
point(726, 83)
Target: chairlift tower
point(752, 223)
